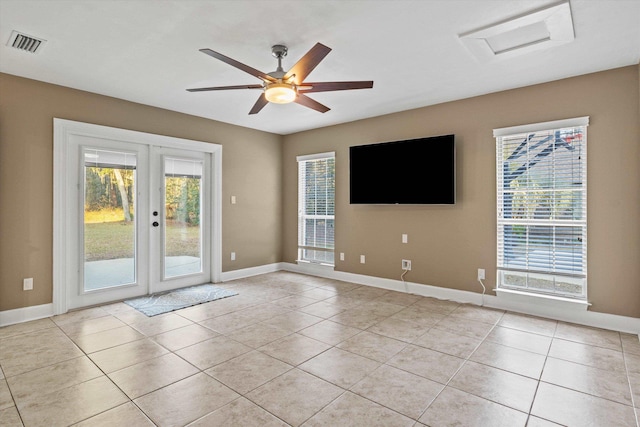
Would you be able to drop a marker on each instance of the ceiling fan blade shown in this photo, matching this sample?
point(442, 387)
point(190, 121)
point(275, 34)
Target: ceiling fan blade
point(205, 89)
point(307, 63)
point(259, 105)
point(311, 103)
point(239, 65)
point(331, 86)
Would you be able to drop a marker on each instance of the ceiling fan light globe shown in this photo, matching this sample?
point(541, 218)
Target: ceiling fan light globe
point(280, 93)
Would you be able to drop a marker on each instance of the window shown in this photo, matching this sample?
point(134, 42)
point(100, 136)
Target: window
point(316, 208)
point(542, 208)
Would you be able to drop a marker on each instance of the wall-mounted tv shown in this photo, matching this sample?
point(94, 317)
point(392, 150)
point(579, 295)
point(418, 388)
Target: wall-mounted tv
point(417, 172)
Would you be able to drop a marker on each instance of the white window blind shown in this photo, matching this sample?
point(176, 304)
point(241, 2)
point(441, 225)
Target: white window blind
point(542, 208)
point(316, 208)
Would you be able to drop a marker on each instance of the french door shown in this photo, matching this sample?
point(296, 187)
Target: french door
point(180, 237)
point(139, 218)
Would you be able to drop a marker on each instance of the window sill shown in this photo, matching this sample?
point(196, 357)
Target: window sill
point(542, 300)
point(314, 265)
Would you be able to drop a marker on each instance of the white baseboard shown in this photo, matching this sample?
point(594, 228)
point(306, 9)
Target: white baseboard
point(565, 313)
point(582, 317)
point(25, 314)
point(225, 276)
point(390, 284)
point(557, 312)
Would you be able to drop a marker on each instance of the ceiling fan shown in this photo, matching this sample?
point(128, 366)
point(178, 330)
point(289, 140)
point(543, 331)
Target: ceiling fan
point(282, 87)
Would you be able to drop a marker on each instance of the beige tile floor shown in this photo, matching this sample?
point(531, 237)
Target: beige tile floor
point(299, 350)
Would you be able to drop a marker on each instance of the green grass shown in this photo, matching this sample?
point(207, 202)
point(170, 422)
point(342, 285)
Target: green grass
point(115, 239)
point(104, 215)
point(182, 239)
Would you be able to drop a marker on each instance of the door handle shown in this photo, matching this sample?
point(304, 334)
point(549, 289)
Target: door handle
point(155, 223)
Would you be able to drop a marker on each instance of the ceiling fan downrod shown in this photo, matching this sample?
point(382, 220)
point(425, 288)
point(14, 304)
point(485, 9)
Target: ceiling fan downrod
point(279, 51)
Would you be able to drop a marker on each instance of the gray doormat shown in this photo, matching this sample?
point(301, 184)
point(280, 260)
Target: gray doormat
point(164, 302)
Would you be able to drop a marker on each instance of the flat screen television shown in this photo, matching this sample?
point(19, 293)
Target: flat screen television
point(414, 172)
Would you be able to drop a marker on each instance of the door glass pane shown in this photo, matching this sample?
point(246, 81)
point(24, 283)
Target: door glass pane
point(183, 235)
point(109, 225)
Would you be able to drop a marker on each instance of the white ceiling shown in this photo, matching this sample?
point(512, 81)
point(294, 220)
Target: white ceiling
point(147, 51)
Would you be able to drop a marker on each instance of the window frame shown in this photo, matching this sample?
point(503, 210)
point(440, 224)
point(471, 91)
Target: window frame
point(302, 216)
point(580, 223)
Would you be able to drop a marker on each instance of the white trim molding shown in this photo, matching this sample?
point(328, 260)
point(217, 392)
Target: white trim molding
point(25, 314)
point(541, 300)
point(562, 309)
point(556, 310)
point(226, 276)
point(317, 156)
point(536, 127)
point(580, 316)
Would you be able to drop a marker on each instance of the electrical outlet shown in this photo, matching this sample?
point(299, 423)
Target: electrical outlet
point(233, 256)
point(27, 284)
point(233, 200)
point(361, 259)
point(406, 264)
point(481, 274)
point(405, 238)
point(341, 256)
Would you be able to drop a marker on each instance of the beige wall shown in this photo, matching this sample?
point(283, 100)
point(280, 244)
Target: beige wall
point(251, 172)
point(448, 244)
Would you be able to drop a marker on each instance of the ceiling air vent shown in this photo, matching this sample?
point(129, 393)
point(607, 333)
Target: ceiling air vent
point(26, 43)
point(541, 29)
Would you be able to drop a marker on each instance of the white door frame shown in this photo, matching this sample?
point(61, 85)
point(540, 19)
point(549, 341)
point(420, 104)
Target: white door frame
point(63, 244)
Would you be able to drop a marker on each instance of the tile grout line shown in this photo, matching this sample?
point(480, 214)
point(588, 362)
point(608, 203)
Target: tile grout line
point(466, 359)
point(546, 358)
point(633, 403)
point(362, 379)
point(596, 368)
point(169, 352)
point(242, 395)
point(344, 391)
point(200, 371)
point(84, 354)
point(174, 353)
point(130, 400)
point(331, 346)
point(109, 378)
point(482, 340)
point(13, 399)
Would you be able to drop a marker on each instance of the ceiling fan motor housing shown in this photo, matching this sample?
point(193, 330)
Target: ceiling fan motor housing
point(279, 50)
